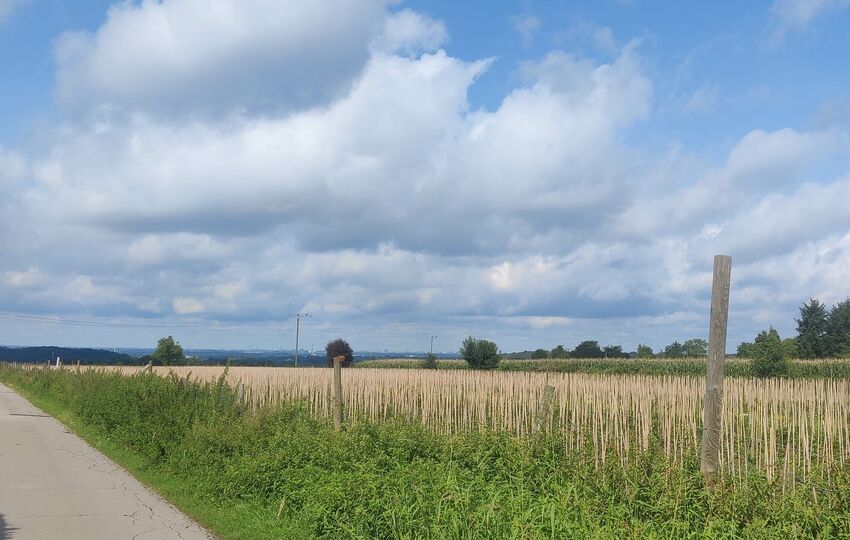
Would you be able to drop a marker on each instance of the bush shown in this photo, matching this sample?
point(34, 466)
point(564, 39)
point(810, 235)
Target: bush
point(480, 353)
point(430, 361)
point(339, 347)
point(770, 355)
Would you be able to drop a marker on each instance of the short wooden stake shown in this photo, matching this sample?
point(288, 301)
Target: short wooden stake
point(713, 407)
point(337, 400)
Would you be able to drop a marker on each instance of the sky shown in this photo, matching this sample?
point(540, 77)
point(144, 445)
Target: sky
point(531, 172)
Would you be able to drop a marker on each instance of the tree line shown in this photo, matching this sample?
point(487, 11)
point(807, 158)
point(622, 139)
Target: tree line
point(821, 333)
point(591, 349)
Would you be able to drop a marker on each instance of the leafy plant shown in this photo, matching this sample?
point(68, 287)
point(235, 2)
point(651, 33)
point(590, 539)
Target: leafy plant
point(430, 361)
point(480, 353)
point(588, 349)
point(339, 347)
point(168, 352)
point(770, 356)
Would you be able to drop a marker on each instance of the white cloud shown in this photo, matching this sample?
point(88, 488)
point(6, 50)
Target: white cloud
point(192, 56)
point(410, 33)
point(797, 15)
point(527, 25)
point(180, 248)
point(26, 278)
point(186, 306)
point(8, 7)
point(701, 100)
point(388, 204)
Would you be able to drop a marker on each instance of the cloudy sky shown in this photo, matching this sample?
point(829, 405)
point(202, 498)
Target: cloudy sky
point(532, 172)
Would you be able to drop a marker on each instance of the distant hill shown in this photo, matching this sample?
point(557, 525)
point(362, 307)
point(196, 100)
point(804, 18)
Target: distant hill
point(68, 355)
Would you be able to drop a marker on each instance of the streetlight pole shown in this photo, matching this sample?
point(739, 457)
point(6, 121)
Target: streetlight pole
point(298, 332)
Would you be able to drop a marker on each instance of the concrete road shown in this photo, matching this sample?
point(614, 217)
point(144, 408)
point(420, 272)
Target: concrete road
point(55, 486)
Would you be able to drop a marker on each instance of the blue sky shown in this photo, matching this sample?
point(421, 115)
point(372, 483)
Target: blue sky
point(536, 173)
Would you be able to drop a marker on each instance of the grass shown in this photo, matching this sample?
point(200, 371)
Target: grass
point(280, 473)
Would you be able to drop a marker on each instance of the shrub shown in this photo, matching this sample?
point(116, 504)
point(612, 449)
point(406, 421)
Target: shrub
point(770, 355)
point(339, 347)
point(430, 361)
point(480, 353)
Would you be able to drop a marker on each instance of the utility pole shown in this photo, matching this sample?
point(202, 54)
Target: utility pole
point(298, 331)
point(432, 344)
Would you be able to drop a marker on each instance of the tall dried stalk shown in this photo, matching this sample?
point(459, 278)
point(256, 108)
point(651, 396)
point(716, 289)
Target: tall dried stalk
point(787, 429)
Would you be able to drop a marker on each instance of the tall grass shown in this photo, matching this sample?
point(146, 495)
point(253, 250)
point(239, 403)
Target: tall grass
point(786, 429)
point(397, 478)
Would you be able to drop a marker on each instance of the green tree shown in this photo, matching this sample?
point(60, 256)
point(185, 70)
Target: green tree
point(790, 346)
point(746, 349)
point(168, 352)
point(839, 329)
point(769, 355)
point(614, 351)
point(480, 353)
point(559, 352)
point(588, 349)
point(674, 350)
point(339, 347)
point(540, 354)
point(813, 339)
point(645, 351)
point(695, 347)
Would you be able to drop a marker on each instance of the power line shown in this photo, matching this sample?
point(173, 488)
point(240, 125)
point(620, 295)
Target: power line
point(23, 317)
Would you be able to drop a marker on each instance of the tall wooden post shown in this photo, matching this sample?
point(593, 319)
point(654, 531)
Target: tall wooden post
point(337, 401)
point(713, 411)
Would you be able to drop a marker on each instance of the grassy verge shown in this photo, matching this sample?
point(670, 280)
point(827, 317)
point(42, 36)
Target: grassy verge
point(281, 474)
point(834, 369)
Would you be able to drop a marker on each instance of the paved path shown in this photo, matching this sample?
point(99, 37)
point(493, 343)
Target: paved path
point(55, 486)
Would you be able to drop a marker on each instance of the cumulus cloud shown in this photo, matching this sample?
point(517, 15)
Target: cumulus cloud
point(376, 198)
point(410, 33)
point(182, 57)
point(184, 306)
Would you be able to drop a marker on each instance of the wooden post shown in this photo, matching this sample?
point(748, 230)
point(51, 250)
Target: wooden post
point(338, 392)
point(240, 393)
point(713, 407)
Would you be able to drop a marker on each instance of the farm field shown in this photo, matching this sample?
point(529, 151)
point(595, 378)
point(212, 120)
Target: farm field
point(735, 367)
point(466, 454)
point(785, 429)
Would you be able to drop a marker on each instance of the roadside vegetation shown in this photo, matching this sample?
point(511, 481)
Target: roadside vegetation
point(279, 472)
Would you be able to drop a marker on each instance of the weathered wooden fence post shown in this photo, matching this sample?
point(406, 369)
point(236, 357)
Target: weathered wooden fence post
point(240, 393)
point(337, 402)
point(713, 407)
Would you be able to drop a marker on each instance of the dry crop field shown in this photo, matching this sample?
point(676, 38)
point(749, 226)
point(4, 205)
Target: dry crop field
point(786, 429)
